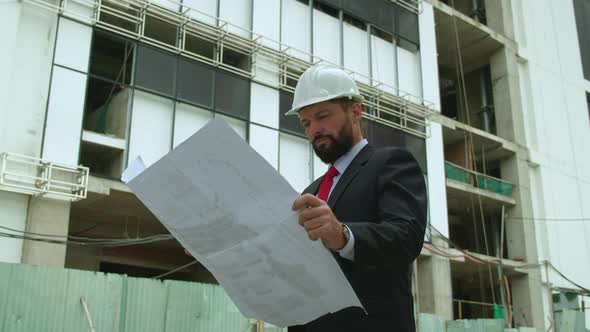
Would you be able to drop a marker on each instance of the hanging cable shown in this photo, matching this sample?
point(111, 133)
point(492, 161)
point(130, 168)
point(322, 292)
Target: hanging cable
point(470, 146)
point(175, 270)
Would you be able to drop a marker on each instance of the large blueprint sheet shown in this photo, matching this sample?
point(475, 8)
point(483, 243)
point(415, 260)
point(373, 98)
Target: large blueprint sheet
point(232, 210)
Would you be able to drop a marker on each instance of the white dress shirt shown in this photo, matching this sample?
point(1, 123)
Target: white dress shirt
point(341, 165)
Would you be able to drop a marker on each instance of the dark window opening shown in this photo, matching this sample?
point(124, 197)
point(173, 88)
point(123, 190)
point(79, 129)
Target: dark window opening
point(382, 34)
point(326, 9)
point(106, 112)
point(111, 57)
point(106, 108)
point(143, 272)
point(101, 159)
point(355, 22)
point(305, 2)
point(472, 291)
point(127, 18)
point(236, 59)
point(160, 30)
point(407, 45)
point(292, 76)
point(199, 46)
point(448, 97)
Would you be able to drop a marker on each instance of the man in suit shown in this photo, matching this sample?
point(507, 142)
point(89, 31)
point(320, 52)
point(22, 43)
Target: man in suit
point(369, 208)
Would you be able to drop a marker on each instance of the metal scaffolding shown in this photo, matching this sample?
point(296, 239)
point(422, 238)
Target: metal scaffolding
point(129, 18)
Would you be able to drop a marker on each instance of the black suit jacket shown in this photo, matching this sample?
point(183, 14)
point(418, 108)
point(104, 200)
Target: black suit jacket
point(381, 197)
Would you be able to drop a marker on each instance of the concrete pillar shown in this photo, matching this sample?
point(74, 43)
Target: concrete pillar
point(435, 295)
point(499, 17)
point(46, 216)
point(13, 215)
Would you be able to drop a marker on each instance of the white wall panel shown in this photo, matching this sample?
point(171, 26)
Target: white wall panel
point(64, 116)
point(13, 214)
point(295, 161)
point(326, 37)
point(558, 141)
point(295, 28)
point(437, 202)
point(26, 60)
point(356, 51)
point(73, 44)
point(264, 105)
point(266, 142)
point(204, 10)
point(238, 13)
point(571, 234)
point(267, 71)
point(267, 20)
point(170, 5)
point(188, 120)
point(319, 167)
point(577, 109)
point(151, 127)
point(383, 63)
point(79, 10)
point(408, 68)
point(428, 56)
point(239, 126)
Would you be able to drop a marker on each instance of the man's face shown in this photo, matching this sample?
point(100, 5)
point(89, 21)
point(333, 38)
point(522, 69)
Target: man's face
point(329, 129)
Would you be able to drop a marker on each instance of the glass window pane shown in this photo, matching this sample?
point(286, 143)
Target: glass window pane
point(151, 127)
point(380, 135)
point(232, 94)
point(291, 122)
point(188, 120)
point(407, 25)
point(237, 125)
point(266, 142)
point(294, 161)
point(195, 82)
point(155, 70)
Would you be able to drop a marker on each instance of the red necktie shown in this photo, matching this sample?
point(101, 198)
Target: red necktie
point(327, 182)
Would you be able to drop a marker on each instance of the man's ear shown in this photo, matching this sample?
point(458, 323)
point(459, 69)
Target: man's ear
point(357, 112)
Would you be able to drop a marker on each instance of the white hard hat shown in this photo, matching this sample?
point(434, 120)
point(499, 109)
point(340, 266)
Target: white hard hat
point(322, 82)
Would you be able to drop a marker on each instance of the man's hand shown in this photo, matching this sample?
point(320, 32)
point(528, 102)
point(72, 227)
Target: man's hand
point(319, 221)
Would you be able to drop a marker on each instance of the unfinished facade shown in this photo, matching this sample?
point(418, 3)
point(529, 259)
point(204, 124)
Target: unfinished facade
point(466, 86)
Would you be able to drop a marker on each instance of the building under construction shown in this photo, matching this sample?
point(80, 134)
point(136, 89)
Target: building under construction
point(491, 97)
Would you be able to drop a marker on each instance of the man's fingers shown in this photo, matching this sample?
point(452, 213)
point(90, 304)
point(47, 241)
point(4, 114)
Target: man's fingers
point(317, 233)
point(307, 200)
point(314, 223)
point(311, 213)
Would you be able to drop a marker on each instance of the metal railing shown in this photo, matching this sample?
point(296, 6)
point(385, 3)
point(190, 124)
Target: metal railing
point(483, 309)
point(37, 177)
point(411, 5)
point(479, 180)
point(399, 110)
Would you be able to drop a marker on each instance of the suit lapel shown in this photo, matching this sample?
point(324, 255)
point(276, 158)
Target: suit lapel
point(353, 169)
point(314, 187)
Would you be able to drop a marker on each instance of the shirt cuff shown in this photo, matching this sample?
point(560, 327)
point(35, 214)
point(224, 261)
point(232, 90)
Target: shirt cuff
point(348, 250)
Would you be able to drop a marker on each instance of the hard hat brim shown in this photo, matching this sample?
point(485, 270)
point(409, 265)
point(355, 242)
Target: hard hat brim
point(297, 108)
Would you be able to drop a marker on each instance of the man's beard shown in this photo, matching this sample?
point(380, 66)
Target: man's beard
point(330, 152)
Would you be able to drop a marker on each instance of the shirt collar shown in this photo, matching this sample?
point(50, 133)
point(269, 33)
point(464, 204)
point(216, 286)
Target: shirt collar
point(343, 162)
